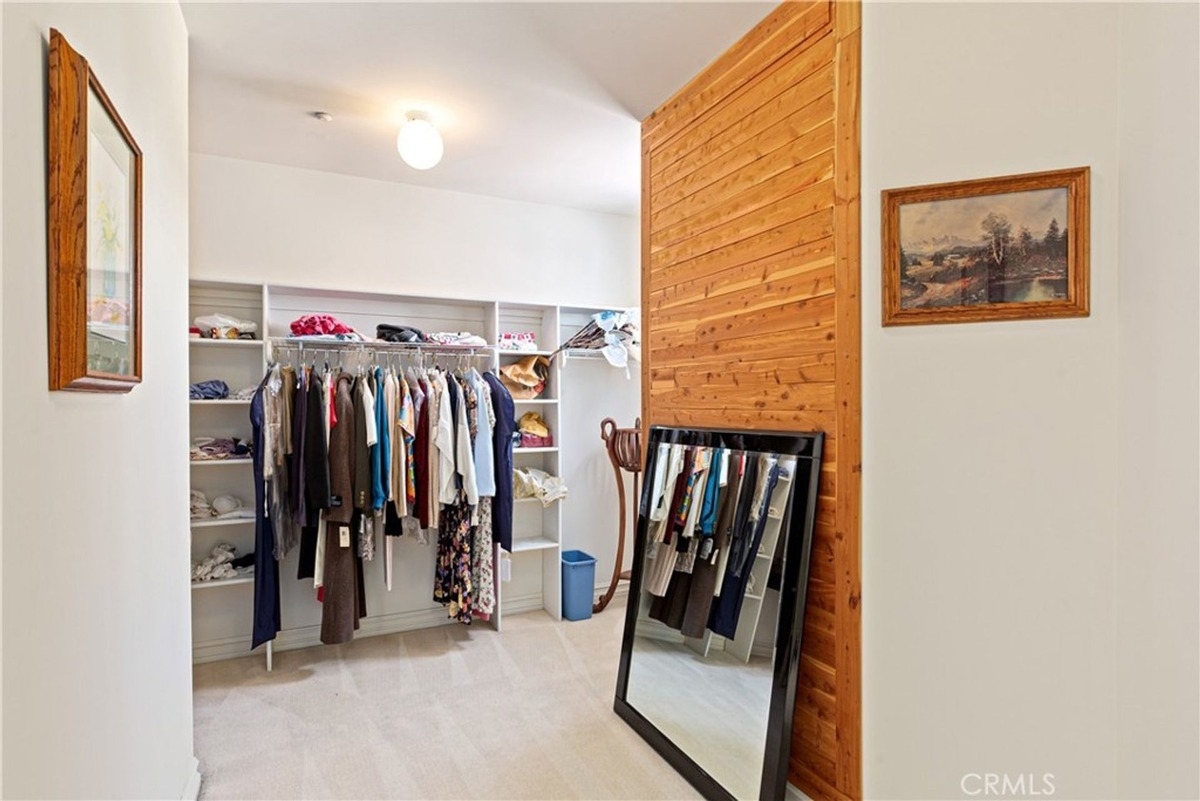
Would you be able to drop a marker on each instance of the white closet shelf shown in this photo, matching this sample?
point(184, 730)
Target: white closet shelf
point(536, 401)
point(215, 462)
point(222, 402)
point(204, 585)
point(532, 544)
point(528, 500)
point(535, 450)
point(525, 352)
point(583, 353)
point(233, 521)
point(226, 343)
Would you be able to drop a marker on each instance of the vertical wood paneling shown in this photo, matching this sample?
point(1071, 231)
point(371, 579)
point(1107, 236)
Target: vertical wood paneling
point(751, 309)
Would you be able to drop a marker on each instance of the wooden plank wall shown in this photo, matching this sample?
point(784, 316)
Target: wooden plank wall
point(750, 292)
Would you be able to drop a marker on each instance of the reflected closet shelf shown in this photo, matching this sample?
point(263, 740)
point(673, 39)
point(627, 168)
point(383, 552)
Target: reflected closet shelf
point(535, 450)
point(215, 462)
point(222, 402)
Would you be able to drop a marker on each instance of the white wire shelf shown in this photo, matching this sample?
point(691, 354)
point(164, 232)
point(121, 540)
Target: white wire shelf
point(215, 462)
point(221, 402)
point(377, 346)
point(503, 352)
point(535, 450)
point(536, 401)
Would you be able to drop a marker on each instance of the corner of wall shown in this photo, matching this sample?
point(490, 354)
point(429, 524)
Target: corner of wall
point(1, 405)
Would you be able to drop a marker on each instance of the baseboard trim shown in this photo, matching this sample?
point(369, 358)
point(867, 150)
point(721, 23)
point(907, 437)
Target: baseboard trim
point(308, 636)
point(394, 623)
point(191, 790)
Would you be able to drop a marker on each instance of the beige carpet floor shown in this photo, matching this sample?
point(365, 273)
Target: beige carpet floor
point(454, 712)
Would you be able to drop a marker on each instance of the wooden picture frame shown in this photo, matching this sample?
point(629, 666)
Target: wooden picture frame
point(1007, 248)
point(94, 248)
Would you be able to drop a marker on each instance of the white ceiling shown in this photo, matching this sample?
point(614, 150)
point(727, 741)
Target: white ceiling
point(536, 101)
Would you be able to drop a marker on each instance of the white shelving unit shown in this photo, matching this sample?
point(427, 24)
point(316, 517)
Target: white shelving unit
point(538, 531)
point(239, 363)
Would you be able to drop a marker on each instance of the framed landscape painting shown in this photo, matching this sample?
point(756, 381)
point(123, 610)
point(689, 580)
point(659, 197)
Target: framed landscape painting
point(1010, 248)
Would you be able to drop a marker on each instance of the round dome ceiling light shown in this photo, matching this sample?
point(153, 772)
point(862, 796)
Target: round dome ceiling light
point(419, 143)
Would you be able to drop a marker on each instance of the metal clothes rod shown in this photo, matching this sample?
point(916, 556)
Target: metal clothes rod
point(385, 348)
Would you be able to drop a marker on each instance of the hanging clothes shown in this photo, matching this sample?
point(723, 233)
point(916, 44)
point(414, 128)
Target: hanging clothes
point(350, 457)
point(502, 446)
point(340, 611)
point(762, 473)
point(266, 568)
point(704, 576)
point(315, 472)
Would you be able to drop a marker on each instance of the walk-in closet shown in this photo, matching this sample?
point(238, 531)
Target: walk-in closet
point(566, 401)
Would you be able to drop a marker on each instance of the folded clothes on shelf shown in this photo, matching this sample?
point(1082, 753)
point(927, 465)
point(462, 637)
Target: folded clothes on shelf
point(534, 433)
point(399, 333)
point(317, 324)
point(224, 326)
point(529, 482)
point(460, 338)
point(223, 507)
point(524, 341)
point(206, 448)
point(222, 563)
point(215, 389)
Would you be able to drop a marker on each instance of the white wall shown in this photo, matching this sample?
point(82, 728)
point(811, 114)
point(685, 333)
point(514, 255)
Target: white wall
point(1158, 552)
point(283, 225)
point(989, 467)
point(1, 412)
point(96, 670)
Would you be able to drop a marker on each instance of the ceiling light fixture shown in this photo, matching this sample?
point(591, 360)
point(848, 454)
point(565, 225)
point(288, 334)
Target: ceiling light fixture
point(419, 143)
point(323, 116)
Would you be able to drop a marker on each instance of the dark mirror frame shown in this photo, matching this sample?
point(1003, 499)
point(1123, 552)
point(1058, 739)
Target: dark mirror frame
point(807, 448)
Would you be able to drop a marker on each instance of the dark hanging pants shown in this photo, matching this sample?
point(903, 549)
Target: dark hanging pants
point(502, 447)
point(266, 568)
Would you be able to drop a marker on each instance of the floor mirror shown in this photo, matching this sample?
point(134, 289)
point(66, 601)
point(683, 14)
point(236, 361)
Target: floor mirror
point(711, 648)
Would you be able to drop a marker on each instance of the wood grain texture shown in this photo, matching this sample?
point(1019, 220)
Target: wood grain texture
point(67, 218)
point(69, 81)
point(771, 38)
point(751, 310)
point(847, 224)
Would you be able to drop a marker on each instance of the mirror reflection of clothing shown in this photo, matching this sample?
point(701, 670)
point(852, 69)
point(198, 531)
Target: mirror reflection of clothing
point(746, 540)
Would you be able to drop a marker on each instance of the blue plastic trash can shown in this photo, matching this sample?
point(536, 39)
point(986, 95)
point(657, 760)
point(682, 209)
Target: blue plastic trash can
point(578, 583)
